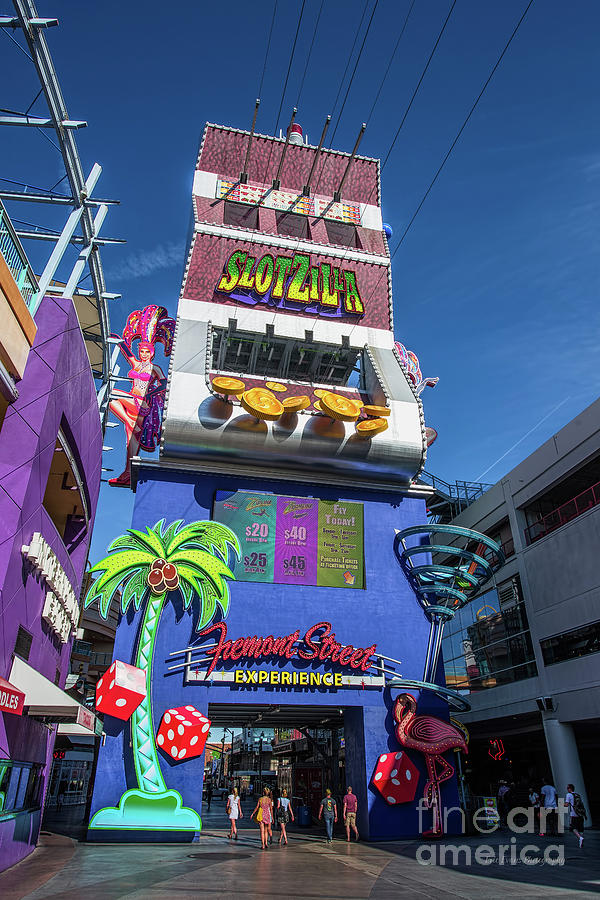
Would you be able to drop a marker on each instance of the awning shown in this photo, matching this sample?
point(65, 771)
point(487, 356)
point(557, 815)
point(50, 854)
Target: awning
point(77, 734)
point(11, 698)
point(45, 701)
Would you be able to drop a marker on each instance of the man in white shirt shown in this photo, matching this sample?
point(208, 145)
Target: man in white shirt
point(575, 819)
point(548, 814)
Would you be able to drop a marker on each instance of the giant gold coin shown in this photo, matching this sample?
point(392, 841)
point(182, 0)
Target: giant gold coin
point(339, 407)
point(294, 404)
point(276, 386)
point(320, 392)
point(225, 385)
point(377, 410)
point(370, 427)
point(262, 403)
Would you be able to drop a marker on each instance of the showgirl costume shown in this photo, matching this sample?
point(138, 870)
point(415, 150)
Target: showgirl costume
point(151, 325)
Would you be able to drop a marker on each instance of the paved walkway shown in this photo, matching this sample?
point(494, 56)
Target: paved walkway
point(217, 868)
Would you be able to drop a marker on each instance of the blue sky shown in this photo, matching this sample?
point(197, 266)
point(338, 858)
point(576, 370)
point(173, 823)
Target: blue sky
point(495, 287)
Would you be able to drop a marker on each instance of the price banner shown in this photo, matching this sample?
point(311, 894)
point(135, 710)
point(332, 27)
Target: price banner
point(340, 548)
point(252, 518)
point(295, 540)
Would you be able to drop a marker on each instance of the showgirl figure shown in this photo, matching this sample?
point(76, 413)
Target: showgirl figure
point(140, 408)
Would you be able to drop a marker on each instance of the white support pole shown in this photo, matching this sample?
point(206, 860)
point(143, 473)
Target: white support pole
point(83, 256)
point(65, 237)
point(564, 759)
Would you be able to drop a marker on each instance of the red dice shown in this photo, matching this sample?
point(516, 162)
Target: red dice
point(120, 690)
point(183, 732)
point(396, 778)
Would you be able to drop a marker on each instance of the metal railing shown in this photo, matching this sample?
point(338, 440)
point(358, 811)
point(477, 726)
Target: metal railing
point(565, 513)
point(16, 260)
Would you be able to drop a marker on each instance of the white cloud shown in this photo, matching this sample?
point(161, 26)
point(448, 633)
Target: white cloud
point(145, 262)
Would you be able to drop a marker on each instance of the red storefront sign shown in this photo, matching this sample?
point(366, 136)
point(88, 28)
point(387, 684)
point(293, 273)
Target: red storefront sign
point(11, 699)
point(85, 718)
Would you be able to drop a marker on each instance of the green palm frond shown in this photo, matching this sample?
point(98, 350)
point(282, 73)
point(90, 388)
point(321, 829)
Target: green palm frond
point(210, 536)
point(133, 591)
point(115, 569)
point(205, 575)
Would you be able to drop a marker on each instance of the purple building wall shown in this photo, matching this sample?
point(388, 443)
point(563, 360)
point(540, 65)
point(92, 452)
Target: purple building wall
point(57, 389)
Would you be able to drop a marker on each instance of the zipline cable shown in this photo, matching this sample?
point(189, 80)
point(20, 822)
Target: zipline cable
point(262, 77)
point(310, 49)
point(463, 126)
point(389, 65)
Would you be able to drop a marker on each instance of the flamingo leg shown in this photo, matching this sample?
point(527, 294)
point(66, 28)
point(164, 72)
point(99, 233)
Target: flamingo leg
point(432, 793)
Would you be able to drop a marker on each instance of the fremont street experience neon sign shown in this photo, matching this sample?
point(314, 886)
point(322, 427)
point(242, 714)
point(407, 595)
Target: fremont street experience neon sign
point(291, 282)
point(326, 647)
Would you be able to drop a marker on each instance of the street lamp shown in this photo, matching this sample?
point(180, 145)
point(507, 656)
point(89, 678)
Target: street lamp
point(223, 753)
point(260, 781)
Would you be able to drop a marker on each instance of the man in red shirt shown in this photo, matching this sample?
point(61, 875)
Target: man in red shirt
point(350, 807)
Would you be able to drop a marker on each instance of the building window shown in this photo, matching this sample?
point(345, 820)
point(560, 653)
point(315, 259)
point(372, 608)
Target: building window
point(23, 643)
point(20, 787)
point(342, 233)
point(65, 498)
point(571, 644)
point(574, 495)
point(488, 642)
point(240, 215)
point(293, 225)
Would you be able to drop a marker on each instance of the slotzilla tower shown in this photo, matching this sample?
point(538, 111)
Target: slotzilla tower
point(289, 418)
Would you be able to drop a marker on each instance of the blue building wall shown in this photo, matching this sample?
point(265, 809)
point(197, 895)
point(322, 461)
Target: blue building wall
point(385, 613)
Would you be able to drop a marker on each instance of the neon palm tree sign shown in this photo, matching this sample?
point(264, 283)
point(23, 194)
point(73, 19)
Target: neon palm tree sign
point(191, 560)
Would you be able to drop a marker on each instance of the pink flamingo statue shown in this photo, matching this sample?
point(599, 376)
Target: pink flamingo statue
point(432, 737)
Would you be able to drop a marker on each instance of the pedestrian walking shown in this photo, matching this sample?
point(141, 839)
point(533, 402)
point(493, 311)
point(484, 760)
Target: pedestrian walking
point(328, 811)
point(284, 813)
point(577, 813)
point(234, 811)
point(209, 794)
point(549, 799)
point(534, 802)
point(263, 813)
point(503, 800)
point(350, 809)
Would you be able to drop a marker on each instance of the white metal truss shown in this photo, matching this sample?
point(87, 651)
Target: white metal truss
point(87, 214)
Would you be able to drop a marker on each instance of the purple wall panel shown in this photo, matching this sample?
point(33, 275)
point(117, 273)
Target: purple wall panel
point(57, 387)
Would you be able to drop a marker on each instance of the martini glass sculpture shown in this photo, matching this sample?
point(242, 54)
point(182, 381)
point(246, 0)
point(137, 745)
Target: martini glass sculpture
point(446, 566)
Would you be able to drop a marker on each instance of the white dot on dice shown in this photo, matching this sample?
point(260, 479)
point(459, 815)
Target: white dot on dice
point(194, 740)
point(167, 718)
point(173, 750)
point(205, 728)
point(161, 739)
point(391, 799)
point(408, 775)
point(180, 729)
point(120, 702)
point(393, 773)
point(170, 734)
point(182, 753)
point(378, 776)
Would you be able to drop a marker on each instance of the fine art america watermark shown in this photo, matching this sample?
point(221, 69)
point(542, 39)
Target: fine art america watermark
point(486, 820)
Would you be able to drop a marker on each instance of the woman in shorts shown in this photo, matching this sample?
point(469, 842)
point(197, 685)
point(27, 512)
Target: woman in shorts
point(284, 814)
